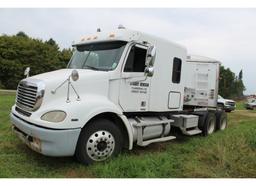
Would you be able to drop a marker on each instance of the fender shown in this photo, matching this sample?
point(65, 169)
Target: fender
point(82, 111)
point(95, 105)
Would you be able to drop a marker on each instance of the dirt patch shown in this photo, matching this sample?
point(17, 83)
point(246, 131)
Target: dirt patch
point(78, 174)
point(246, 113)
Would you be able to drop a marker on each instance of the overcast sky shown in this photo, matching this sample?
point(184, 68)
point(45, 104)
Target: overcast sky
point(228, 35)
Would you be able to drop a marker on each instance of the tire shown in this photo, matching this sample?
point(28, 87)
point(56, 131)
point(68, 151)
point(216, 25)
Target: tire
point(220, 106)
point(99, 140)
point(209, 124)
point(202, 118)
point(221, 121)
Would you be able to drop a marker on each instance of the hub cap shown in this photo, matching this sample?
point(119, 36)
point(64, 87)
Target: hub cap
point(100, 145)
point(223, 124)
point(211, 127)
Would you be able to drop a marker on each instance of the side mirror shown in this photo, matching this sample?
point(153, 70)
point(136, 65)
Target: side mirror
point(74, 75)
point(26, 72)
point(151, 55)
point(149, 71)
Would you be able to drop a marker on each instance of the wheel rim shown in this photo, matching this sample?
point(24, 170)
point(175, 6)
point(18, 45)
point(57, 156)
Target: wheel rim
point(211, 127)
point(100, 145)
point(223, 124)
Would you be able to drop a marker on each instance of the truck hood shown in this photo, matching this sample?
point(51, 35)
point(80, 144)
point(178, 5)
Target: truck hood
point(62, 74)
point(230, 100)
point(90, 82)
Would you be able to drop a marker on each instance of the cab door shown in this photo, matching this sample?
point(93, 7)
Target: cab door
point(134, 85)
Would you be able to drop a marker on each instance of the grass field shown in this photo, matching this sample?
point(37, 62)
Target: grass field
point(231, 153)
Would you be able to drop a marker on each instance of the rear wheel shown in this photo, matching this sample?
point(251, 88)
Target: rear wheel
point(221, 120)
point(209, 124)
point(99, 141)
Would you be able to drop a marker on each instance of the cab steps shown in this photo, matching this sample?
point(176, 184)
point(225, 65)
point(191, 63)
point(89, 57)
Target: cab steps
point(191, 132)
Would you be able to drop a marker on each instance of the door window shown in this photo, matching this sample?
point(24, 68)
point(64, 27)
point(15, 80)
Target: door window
point(176, 70)
point(136, 60)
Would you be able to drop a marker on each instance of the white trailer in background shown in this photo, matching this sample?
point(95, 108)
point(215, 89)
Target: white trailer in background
point(120, 88)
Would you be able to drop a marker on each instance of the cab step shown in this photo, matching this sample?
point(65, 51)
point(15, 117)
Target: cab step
point(163, 139)
point(192, 132)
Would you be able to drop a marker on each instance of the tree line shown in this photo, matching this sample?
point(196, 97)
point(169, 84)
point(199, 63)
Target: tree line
point(20, 51)
point(230, 84)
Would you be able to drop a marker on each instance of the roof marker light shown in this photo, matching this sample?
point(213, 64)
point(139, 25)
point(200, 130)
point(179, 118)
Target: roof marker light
point(111, 35)
point(121, 26)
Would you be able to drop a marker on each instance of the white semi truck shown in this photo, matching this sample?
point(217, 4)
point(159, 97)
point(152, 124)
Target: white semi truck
point(120, 89)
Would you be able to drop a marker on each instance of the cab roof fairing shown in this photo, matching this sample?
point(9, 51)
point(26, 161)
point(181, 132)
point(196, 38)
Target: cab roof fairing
point(203, 59)
point(123, 35)
point(116, 35)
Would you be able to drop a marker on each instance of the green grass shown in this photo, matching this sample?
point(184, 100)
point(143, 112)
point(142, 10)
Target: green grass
point(240, 105)
point(231, 153)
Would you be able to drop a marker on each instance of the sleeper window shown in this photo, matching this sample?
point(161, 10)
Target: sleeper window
point(136, 60)
point(176, 70)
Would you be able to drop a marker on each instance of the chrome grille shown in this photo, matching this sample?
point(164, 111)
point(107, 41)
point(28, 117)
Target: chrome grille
point(29, 95)
point(230, 103)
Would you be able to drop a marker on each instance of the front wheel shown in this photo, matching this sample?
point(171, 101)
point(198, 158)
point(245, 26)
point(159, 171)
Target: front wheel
point(99, 140)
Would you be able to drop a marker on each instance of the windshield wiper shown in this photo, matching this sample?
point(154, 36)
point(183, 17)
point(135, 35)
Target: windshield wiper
point(90, 67)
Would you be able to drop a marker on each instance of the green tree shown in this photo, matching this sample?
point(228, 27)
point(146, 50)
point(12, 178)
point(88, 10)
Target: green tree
point(22, 34)
point(231, 86)
point(52, 43)
point(20, 51)
point(65, 55)
point(240, 76)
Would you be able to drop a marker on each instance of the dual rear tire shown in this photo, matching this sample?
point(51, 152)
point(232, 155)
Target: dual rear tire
point(209, 122)
point(221, 120)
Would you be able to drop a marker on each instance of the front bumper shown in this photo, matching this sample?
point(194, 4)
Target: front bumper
point(229, 107)
point(50, 142)
point(247, 106)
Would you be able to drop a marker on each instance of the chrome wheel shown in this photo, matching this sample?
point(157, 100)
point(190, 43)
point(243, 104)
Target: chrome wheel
point(223, 124)
point(100, 145)
point(211, 127)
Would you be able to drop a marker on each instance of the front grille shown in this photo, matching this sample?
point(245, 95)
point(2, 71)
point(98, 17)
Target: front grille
point(26, 95)
point(231, 103)
point(30, 94)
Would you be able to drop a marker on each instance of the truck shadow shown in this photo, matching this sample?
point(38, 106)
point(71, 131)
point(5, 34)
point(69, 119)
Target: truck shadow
point(60, 163)
point(160, 147)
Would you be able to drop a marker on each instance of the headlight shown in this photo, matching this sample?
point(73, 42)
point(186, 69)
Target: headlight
point(54, 116)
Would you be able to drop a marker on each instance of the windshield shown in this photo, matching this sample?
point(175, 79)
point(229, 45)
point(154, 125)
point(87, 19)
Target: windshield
point(97, 56)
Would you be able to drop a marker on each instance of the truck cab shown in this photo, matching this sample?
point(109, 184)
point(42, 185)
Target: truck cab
point(120, 88)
